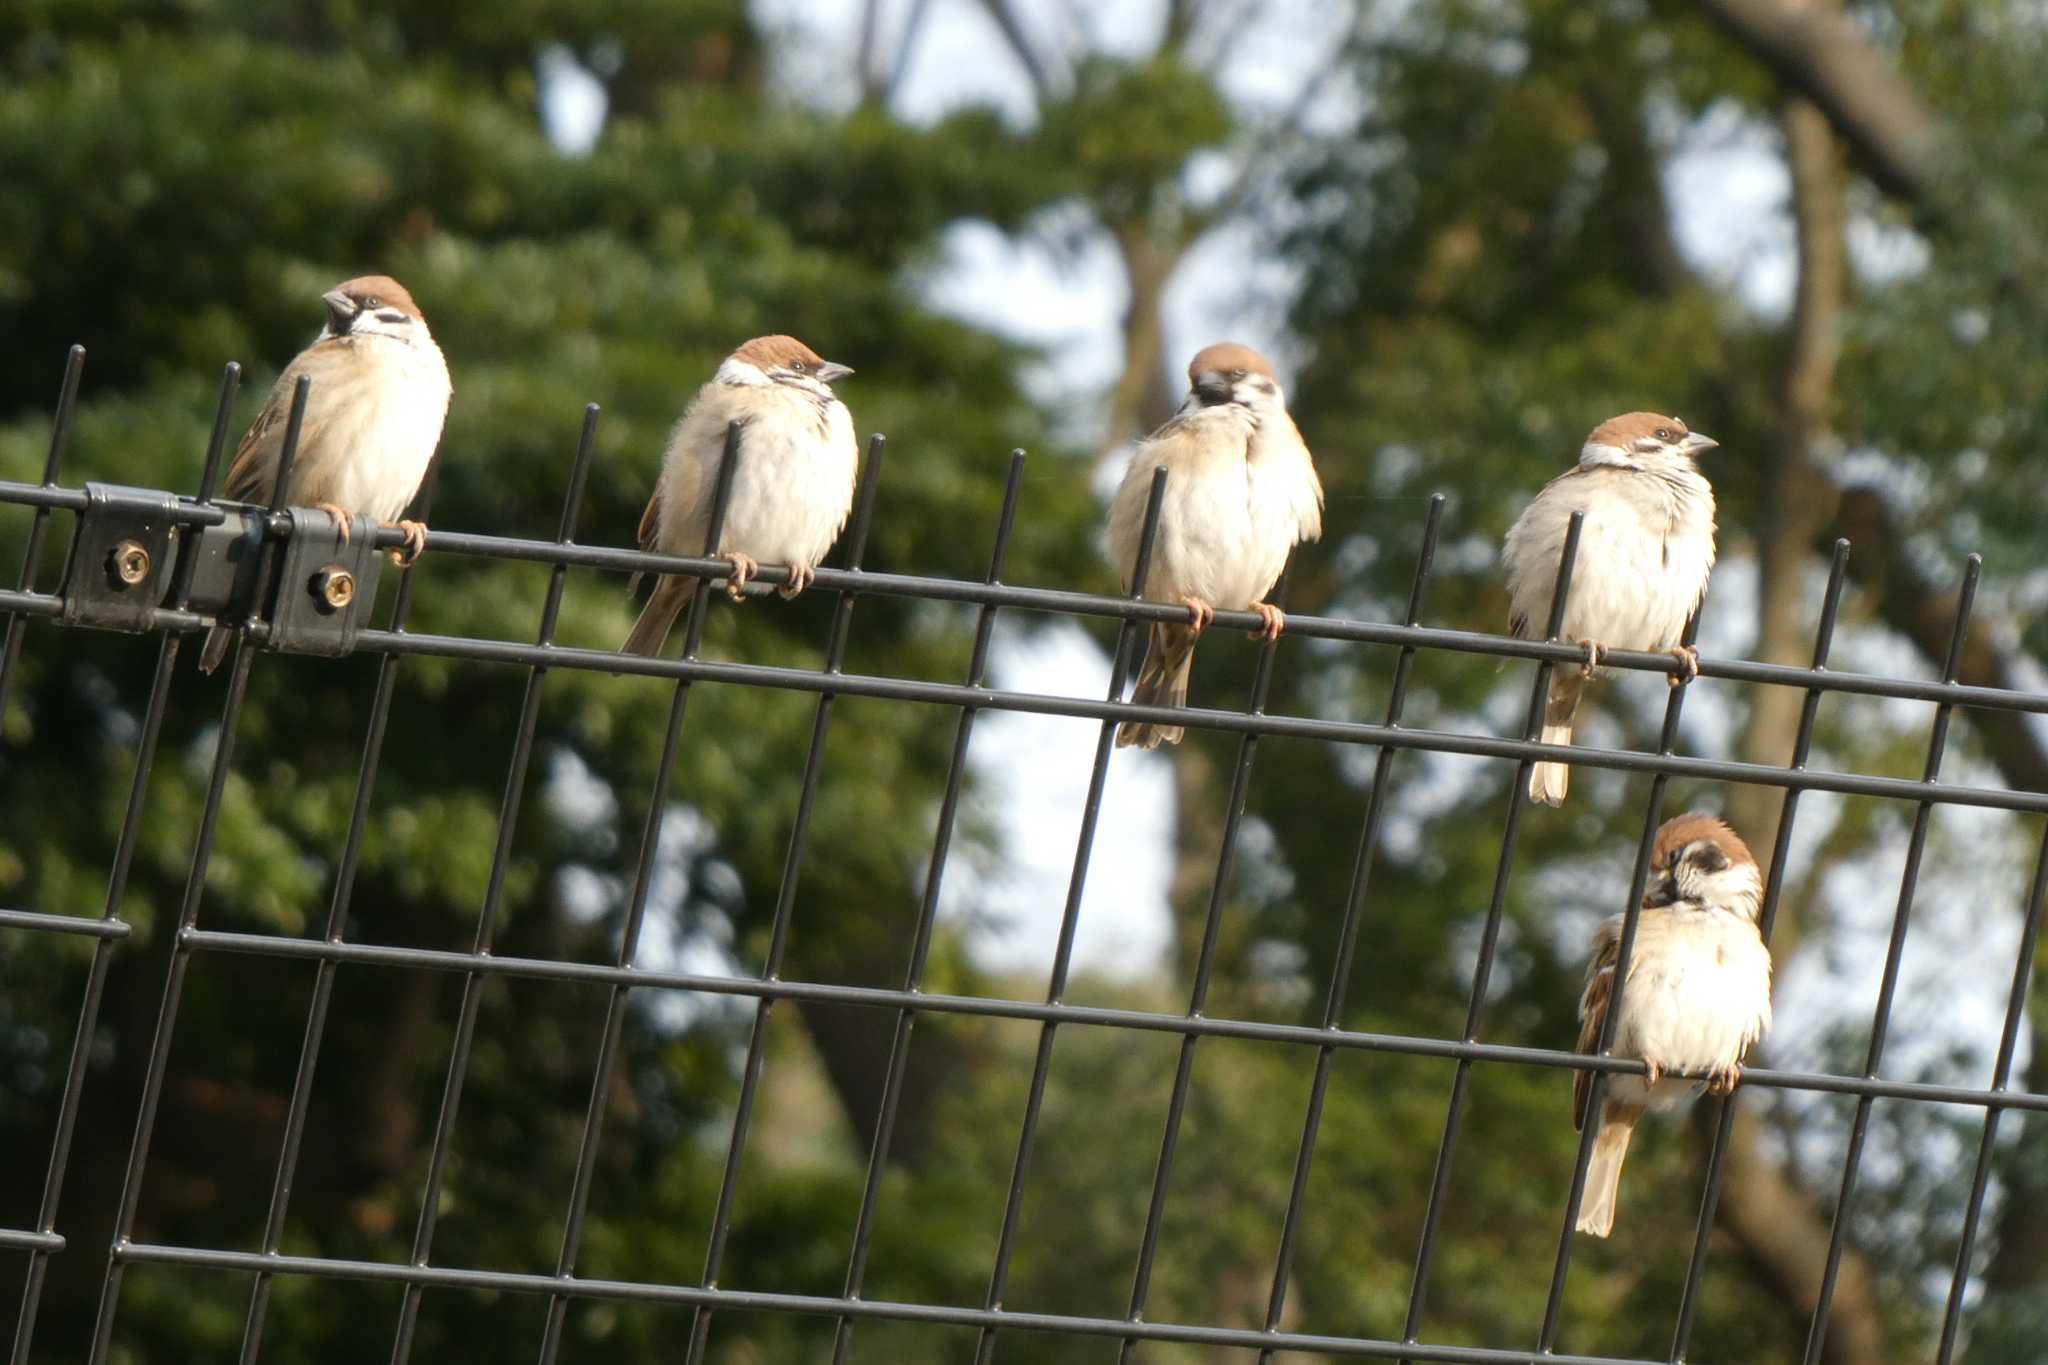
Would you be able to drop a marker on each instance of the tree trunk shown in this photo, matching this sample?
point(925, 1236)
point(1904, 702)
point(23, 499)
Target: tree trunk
point(1802, 502)
point(1142, 398)
point(1783, 1236)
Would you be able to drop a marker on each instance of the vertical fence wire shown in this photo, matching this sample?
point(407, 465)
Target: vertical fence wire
point(1887, 992)
point(785, 901)
point(927, 916)
point(1347, 934)
point(2001, 1079)
point(300, 1103)
point(1198, 993)
point(32, 550)
point(636, 912)
point(117, 875)
point(487, 915)
point(1767, 915)
point(1482, 972)
point(188, 916)
point(1070, 915)
point(1624, 955)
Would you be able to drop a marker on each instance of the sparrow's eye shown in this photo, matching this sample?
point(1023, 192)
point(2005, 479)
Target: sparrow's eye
point(373, 302)
point(1664, 434)
point(1236, 375)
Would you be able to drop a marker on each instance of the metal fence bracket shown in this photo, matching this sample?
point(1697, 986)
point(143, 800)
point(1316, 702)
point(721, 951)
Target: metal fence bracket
point(120, 557)
point(324, 586)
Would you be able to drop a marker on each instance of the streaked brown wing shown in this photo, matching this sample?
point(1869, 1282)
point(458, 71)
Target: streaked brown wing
point(1593, 1014)
point(650, 520)
point(256, 457)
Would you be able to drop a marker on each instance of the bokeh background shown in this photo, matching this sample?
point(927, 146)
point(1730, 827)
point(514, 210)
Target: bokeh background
point(1466, 229)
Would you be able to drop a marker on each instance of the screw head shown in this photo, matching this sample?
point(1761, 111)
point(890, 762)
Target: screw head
point(335, 587)
point(128, 563)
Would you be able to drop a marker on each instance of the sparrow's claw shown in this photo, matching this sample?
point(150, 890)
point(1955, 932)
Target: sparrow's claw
point(800, 577)
point(339, 516)
point(1652, 1071)
point(1275, 621)
point(743, 568)
point(1200, 613)
point(1725, 1080)
point(1688, 664)
point(415, 544)
point(1594, 649)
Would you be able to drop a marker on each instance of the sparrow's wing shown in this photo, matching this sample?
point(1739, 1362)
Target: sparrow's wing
point(255, 463)
point(650, 521)
point(253, 474)
point(1593, 1009)
point(1184, 444)
point(1534, 544)
point(1307, 491)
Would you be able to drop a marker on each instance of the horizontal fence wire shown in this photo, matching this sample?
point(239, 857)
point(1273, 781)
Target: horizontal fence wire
point(969, 698)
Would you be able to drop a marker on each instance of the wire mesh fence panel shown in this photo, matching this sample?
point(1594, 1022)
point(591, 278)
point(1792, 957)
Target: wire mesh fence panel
point(139, 562)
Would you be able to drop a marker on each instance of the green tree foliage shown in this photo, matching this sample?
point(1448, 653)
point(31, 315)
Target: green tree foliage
point(187, 179)
point(1487, 264)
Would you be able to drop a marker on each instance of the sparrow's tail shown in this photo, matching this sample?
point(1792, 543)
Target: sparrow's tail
point(1603, 1174)
point(670, 596)
point(216, 648)
point(1162, 681)
point(1547, 781)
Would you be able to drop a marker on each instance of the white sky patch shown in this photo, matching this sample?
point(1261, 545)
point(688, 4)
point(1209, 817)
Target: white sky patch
point(573, 101)
point(1730, 192)
point(1124, 926)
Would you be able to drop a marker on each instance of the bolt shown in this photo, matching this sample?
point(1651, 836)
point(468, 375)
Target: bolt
point(128, 563)
point(334, 587)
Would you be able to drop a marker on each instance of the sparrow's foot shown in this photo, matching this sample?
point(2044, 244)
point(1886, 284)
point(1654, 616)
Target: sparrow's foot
point(1594, 649)
point(743, 568)
point(1688, 664)
point(1652, 1071)
point(800, 577)
point(1200, 613)
point(338, 515)
point(1275, 621)
point(415, 544)
point(1725, 1080)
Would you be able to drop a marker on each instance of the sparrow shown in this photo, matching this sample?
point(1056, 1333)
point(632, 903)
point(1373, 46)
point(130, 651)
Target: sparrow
point(373, 420)
point(1698, 995)
point(792, 482)
point(1645, 551)
point(1241, 490)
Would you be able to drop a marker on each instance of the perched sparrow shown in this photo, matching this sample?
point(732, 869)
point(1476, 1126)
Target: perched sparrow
point(1699, 992)
point(1240, 491)
point(792, 481)
point(373, 419)
point(1644, 555)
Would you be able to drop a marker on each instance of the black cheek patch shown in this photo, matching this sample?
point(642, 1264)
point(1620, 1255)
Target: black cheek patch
point(1710, 859)
point(392, 315)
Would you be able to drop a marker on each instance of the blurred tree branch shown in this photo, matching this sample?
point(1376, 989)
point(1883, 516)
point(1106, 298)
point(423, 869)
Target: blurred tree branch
point(1026, 52)
point(1816, 51)
point(1790, 525)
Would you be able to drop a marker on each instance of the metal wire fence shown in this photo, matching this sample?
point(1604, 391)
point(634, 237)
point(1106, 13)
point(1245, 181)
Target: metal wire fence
point(140, 561)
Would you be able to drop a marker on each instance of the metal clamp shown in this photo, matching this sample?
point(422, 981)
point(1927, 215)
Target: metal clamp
point(120, 557)
point(325, 585)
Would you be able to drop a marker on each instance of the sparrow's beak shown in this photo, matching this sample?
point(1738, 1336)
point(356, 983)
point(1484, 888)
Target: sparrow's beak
point(1212, 388)
point(831, 371)
point(1697, 443)
point(341, 312)
point(1663, 891)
